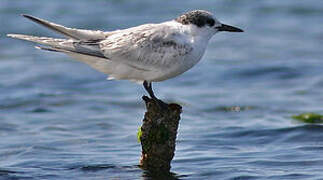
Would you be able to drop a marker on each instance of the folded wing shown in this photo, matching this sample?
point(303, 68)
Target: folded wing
point(151, 46)
point(78, 34)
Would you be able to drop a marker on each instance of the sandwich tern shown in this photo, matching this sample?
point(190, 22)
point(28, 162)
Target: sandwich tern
point(144, 54)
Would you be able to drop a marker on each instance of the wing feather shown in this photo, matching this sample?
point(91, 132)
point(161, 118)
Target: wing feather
point(150, 46)
point(79, 34)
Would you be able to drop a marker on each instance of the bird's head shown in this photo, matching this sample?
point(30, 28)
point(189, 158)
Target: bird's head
point(205, 21)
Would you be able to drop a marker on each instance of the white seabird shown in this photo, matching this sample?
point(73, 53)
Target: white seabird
point(146, 53)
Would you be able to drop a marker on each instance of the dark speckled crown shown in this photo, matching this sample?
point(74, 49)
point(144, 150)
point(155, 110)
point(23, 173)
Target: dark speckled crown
point(198, 17)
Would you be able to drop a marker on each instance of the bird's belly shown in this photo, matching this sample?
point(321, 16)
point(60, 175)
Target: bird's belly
point(167, 74)
point(176, 69)
point(170, 68)
point(153, 74)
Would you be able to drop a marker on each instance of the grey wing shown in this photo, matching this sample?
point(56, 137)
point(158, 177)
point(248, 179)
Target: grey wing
point(79, 34)
point(146, 47)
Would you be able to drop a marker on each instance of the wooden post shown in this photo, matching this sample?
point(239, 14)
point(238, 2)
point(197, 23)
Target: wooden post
point(158, 135)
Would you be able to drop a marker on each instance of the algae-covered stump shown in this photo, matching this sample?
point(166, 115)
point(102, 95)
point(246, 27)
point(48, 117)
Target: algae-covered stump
point(158, 135)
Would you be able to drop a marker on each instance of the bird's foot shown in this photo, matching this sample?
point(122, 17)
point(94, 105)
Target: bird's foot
point(161, 104)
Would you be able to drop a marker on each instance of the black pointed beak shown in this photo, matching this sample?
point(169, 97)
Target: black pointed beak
point(228, 28)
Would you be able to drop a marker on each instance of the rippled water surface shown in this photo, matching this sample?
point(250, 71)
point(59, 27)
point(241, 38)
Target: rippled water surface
point(60, 119)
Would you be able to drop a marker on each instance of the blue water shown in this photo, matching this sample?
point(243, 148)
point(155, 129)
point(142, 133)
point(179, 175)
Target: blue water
point(60, 119)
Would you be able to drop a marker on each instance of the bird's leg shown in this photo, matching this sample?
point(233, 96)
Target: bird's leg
point(148, 87)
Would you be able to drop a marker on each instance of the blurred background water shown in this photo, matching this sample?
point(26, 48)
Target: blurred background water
point(61, 119)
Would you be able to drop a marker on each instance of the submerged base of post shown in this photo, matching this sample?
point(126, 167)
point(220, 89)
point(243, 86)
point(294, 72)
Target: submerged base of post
point(158, 135)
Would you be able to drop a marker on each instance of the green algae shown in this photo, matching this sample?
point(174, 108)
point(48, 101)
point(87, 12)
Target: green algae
point(139, 134)
point(311, 118)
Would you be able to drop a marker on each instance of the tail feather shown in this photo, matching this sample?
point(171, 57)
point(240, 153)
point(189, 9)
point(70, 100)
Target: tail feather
point(63, 45)
point(70, 47)
point(53, 42)
point(49, 49)
point(78, 34)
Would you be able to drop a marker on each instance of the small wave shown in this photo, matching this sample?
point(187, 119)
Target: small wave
point(275, 72)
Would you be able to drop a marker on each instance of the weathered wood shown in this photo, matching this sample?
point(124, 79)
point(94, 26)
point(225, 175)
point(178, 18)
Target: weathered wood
point(158, 135)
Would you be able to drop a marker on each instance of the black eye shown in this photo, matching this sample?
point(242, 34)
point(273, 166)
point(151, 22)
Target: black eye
point(210, 22)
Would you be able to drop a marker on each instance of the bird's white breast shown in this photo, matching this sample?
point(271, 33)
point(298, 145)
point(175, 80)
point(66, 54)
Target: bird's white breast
point(196, 41)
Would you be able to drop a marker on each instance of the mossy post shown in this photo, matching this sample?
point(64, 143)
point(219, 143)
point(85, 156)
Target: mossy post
point(158, 135)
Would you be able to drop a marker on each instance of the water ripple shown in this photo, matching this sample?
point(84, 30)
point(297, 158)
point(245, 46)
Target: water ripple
point(60, 119)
